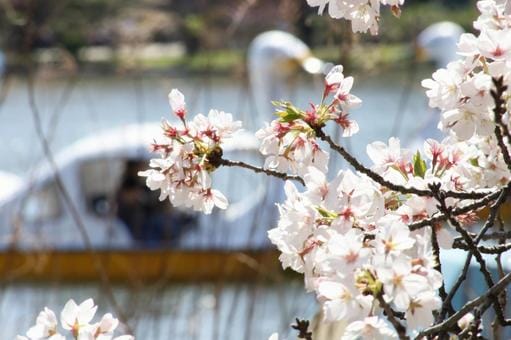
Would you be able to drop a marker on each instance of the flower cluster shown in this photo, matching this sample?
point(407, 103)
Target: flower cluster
point(289, 142)
point(462, 92)
point(363, 14)
point(353, 250)
point(350, 236)
point(190, 151)
point(77, 321)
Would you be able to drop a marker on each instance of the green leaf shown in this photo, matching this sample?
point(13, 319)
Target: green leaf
point(288, 116)
point(326, 213)
point(287, 112)
point(419, 165)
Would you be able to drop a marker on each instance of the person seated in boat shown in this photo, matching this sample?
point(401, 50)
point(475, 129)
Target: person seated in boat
point(149, 221)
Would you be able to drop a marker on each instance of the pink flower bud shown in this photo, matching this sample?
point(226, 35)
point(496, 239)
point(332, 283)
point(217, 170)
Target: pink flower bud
point(177, 102)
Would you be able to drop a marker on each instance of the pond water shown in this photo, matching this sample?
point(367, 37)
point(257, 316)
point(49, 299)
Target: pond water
point(199, 311)
point(72, 109)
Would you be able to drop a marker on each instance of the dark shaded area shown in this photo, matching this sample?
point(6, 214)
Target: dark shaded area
point(71, 24)
point(151, 222)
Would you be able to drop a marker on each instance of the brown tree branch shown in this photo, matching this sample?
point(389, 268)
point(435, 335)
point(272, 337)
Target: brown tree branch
point(499, 111)
point(440, 197)
point(382, 181)
point(463, 275)
point(256, 169)
point(498, 235)
point(496, 250)
point(455, 212)
point(438, 267)
point(400, 329)
point(451, 322)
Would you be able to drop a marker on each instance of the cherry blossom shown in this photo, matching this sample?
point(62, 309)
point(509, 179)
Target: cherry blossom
point(393, 237)
point(291, 147)
point(340, 86)
point(391, 156)
point(363, 14)
point(77, 320)
point(45, 327)
point(350, 233)
point(74, 317)
point(348, 250)
point(370, 328)
point(177, 103)
point(188, 152)
point(419, 312)
point(399, 282)
point(289, 142)
point(343, 302)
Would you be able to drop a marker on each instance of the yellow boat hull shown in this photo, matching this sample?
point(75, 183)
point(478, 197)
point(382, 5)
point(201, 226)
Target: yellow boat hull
point(139, 266)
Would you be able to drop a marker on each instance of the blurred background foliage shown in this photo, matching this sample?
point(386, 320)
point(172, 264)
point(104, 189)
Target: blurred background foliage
point(199, 35)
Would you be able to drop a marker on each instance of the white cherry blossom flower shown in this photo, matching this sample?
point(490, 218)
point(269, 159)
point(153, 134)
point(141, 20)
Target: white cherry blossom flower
point(333, 79)
point(495, 44)
point(77, 320)
point(106, 327)
point(370, 328)
point(177, 103)
point(291, 147)
point(45, 327)
point(344, 97)
point(364, 14)
point(393, 237)
point(75, 317)
point(348, 251)
point(399, 282)
point(389, 156)
point(419, 314)
point(443, 89)
point(342, 301)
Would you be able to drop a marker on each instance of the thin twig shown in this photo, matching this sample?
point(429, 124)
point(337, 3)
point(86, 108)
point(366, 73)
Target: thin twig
point(455, 212)
point(75, 215)
point(463, 275)
point(502, 241)
point(438, 264)
point(400, 329)
point(498, 249)
point(277, 174)
point(446, 305)
point(498, 235)
point(499, 111)
point(440, 197)
point(498, 259)
point(302, 326)
point(382, 181)
point(450, 322)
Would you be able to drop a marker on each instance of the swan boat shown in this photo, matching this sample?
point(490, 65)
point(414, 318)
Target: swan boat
point(88, 214)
